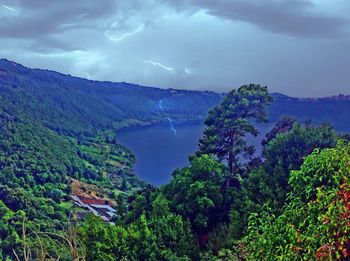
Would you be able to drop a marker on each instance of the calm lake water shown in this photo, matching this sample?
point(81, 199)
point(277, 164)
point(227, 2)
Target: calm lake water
point(161, 148)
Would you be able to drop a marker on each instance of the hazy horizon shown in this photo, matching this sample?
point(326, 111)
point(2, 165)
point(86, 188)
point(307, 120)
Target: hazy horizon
point(162, 87)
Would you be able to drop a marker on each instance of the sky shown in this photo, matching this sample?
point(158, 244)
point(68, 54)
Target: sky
point(296, 47)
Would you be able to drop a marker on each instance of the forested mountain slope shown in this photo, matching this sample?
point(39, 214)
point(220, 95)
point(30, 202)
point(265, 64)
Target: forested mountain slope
point(74, 105)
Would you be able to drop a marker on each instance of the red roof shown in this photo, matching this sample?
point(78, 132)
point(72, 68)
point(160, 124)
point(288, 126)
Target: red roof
point(94, 201)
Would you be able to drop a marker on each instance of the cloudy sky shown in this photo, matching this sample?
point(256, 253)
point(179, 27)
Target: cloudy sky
point(297, 47)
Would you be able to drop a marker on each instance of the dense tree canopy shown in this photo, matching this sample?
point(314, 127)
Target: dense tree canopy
point(314, 223)
point(162, 236)
point(196, 192)
point(282, 154)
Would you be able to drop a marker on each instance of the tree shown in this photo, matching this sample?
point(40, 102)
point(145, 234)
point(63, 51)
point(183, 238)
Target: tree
point(284, 153)
point(314, 223)
point(281, 126)
point(229, 123)
point(196, 193)
point(173, 234)
point(139, 203)
point(103, 241)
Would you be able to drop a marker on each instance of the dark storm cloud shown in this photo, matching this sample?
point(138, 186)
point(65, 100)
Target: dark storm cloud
point(292, 17)
point(37, 18)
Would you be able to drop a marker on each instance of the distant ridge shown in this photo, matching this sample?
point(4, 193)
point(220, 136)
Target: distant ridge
point(277, 95)
point(341, 97)
point(8, 63)
point(75, 105)
point(69, 104)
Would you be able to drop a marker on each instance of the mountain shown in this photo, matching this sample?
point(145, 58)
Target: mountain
point(331, 110)
point(77, 106)
point(72, 105)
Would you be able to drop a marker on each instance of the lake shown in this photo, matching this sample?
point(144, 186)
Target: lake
point(161, 148)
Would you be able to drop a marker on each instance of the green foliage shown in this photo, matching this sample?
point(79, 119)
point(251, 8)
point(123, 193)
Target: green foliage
point(173, 234)
point(282, 126)
point(323, 168)
point(103, 242)
point(196, 192)
point(8, 235)
point(314, 222)
point(139, 203)
point(138, 207)
point(163, 236)
point(37, 164)
point(229, 123)
point(284, 153)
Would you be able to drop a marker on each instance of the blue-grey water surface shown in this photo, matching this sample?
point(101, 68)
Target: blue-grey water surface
point(161, 148)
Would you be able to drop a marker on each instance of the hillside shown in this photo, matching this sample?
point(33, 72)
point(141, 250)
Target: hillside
point(332, 110)
point(77, 106)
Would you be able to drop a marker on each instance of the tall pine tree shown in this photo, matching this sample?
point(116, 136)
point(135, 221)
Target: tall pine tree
point(228, 124)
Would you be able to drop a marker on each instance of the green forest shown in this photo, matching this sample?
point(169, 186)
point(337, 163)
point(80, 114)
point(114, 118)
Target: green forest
point(292, 202)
